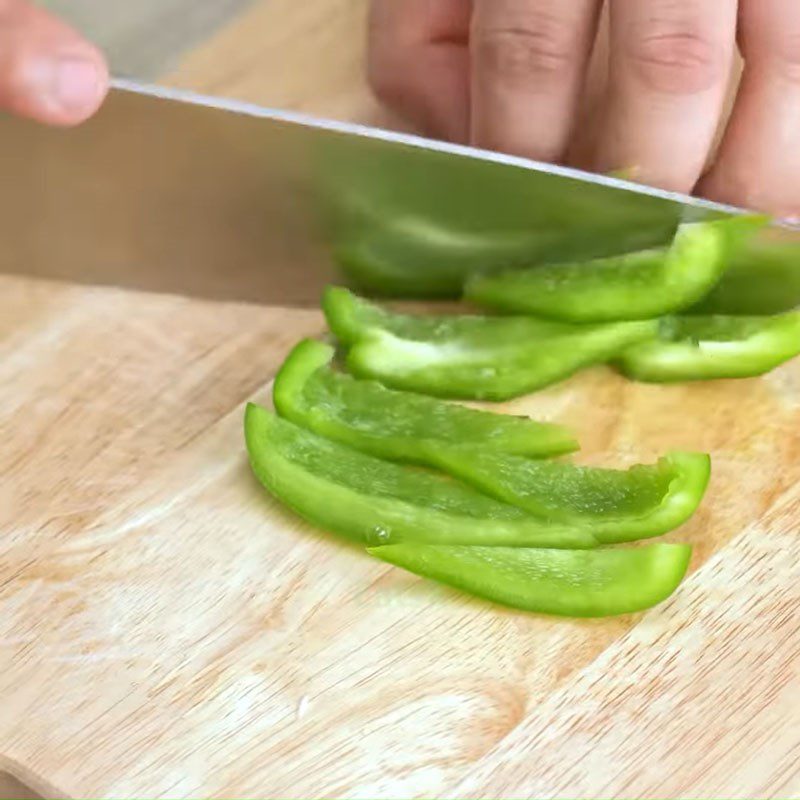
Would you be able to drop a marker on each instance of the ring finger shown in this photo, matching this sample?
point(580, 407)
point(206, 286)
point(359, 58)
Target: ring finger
point(528, 61)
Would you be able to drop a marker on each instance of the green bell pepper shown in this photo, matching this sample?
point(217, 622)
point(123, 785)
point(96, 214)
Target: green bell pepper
point(638, 285)
point(375, 501)
point(615, 505)
point(589, 583)
point(762, 278)
point(705, 348)
point(470, 357)
point(397, 425)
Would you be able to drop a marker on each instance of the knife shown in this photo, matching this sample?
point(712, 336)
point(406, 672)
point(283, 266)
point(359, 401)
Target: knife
point(166, 190)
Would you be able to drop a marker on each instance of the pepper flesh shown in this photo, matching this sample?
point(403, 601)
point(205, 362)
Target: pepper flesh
point(763, 278)
point(375, 501)
point(470, 357)
point(397, 425)
point(713, 347)
point(639, 285)
point(588, 583)
point(615, 505)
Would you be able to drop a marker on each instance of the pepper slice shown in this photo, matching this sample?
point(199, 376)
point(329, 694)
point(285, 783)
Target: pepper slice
point(762, 278)
point(589, 583)
point(639, 285)
point(705, 348)
point(375, 501)
point(397, 425)
point(615, 505)
point(470, 357)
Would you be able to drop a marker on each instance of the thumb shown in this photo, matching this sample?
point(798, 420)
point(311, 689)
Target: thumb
point(48, 72)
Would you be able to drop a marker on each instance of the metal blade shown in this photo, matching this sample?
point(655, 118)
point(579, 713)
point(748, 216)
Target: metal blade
point(170, 191)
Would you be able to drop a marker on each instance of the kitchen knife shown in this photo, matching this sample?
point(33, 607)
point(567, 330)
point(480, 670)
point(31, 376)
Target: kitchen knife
point(171, 191)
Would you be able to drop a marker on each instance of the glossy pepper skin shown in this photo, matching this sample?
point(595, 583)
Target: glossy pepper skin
point(470, 357)
point(589, 583)
point(615, 505)
point(711, 347)
point(400, 426)
point(638, 285)
point(763, 277)
point(372, 501)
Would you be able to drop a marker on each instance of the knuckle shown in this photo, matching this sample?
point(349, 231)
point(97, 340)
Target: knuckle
point(544, 47)
point(679, 61)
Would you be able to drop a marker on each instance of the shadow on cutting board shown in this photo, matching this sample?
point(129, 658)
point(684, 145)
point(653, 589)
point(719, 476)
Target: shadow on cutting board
point(12, 789)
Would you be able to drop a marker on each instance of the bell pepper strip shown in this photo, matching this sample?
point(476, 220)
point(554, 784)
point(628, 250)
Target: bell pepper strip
point(638, 285)
point(400, 426)
point(574, 583)
point(762, 278)
point(374, 501)
point(615, 505)
point(711, 347)
point(470, 357)
point(410, 258)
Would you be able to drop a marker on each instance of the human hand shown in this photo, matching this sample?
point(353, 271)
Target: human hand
point(48, 72)
point(515, 76)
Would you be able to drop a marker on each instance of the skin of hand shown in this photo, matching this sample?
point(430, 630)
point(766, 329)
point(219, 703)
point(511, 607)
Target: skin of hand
point(48, 72)
point(651, 88)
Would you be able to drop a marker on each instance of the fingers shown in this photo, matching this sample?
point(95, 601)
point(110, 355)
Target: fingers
point(669, 67)
point(47, 71)
point(758, 163)
point(528, 63)
point(418, 62)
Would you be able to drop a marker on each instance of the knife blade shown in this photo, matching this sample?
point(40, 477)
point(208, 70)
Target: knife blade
point(172, 191)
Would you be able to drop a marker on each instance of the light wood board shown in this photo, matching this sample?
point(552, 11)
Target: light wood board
point(166, 630)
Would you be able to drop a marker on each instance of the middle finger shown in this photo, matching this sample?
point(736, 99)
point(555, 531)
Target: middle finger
point(528, 63)
point(669, 66)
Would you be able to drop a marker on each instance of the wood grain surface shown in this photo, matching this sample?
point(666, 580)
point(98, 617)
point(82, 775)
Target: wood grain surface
point(167, 630)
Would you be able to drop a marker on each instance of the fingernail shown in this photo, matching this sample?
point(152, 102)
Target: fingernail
point(76, 84)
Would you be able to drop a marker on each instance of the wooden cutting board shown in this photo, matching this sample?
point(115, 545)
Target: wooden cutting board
point(167, 630)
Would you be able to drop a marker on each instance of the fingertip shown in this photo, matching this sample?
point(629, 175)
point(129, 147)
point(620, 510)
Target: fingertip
point(48, 72)
point(81, 85)
point(64, 88)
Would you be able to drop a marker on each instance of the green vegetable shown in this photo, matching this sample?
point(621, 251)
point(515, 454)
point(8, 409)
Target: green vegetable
point(411, 222)
point(615, 505)
point(375, 501)
point(639, 285)
point(703, 348)
point(594, 583)
point(470, 357)
point(762, 278)
point(397, 425)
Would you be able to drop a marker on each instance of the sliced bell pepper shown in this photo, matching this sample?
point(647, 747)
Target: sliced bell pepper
point(588, 583)
point(615, 505)
point(375, 501)
point(705, 348)
point(470, 357)
point(638, 285)
point(762, 278)
point(397, 425)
